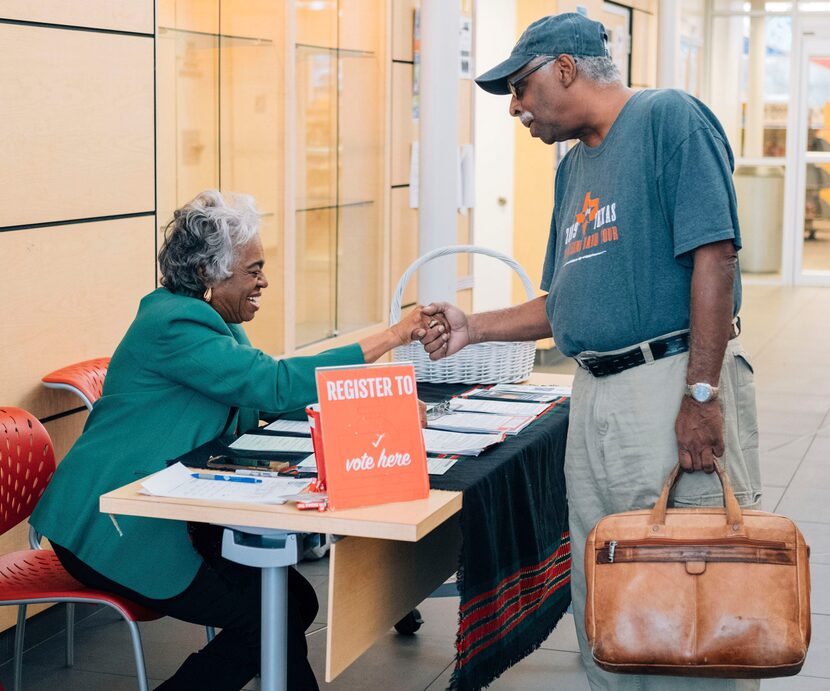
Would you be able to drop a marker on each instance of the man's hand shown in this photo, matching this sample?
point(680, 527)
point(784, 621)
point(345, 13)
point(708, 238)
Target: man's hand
point(699, 429)
point(415, 325)
point(440, 344)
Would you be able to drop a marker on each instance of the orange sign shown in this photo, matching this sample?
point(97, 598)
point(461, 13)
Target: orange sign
point(371, 434)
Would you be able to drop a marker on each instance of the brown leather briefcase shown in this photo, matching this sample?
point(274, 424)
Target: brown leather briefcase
point(708, 592)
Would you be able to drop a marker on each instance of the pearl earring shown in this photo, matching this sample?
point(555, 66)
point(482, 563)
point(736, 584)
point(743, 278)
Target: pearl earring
point(208, 294)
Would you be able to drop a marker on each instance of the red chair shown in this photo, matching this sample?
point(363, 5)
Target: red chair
point(86, 379)
point(27, 463)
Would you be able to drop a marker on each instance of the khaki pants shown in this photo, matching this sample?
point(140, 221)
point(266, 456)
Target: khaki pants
point(621, 447)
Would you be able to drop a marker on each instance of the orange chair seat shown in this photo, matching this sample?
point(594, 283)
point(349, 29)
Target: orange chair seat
point(33, 574)
point(87, 376)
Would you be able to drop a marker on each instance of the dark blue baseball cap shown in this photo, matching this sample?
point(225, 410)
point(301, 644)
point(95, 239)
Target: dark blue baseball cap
point(558, 34)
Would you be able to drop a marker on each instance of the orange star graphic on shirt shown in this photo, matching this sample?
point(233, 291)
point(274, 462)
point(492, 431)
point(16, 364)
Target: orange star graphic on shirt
point(589, 211)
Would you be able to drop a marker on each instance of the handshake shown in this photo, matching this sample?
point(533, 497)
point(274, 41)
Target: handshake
point(442, 329)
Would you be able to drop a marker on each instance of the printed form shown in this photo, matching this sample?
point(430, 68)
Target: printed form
point(295, 426)
point(480, 405)
point(268, 442)
point(178, 481)
point(438, 441)
point(481, 422)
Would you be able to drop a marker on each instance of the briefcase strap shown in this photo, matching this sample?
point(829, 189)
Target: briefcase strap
point(734, 516)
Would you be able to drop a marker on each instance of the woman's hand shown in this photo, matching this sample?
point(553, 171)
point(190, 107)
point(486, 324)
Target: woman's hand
point(422, 412)
point(413, 326)
point(416, 325)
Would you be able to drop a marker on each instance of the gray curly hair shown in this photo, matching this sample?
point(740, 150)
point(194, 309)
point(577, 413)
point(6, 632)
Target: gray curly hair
point(599, 69)
point(201, 241)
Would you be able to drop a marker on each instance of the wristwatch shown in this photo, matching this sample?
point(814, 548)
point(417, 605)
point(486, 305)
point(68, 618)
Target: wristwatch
point(702, 392)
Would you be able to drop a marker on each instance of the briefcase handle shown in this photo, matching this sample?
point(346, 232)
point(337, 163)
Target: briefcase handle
point(734, 517)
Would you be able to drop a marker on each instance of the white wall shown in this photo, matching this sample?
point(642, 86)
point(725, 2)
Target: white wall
point(494, 137)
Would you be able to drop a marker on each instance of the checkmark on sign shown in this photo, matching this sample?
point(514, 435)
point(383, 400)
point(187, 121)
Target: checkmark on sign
point(377, 441)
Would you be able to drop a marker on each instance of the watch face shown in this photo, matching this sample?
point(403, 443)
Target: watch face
point(701, 392)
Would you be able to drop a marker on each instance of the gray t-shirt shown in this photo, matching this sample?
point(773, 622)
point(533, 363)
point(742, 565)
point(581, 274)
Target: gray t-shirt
point(628, 214)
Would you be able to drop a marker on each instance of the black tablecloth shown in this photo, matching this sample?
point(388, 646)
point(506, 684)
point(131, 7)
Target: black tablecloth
point(514, 566)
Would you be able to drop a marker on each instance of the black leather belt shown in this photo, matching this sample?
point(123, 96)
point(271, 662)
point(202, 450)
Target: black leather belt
point(603, 365)
point(613, 363)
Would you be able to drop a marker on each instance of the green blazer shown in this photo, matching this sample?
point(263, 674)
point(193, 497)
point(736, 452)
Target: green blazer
point(170, 387)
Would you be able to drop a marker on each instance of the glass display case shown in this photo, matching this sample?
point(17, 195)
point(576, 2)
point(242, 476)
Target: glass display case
point(340, 102)
point(220, 122)
point(225, 68)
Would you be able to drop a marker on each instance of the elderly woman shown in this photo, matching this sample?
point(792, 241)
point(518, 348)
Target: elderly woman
point(184, 374)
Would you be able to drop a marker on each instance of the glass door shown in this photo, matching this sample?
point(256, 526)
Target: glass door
point(749, 92)
point(813, 242)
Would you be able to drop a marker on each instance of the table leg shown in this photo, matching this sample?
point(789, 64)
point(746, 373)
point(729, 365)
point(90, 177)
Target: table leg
point(273, 552)
point(273, 664)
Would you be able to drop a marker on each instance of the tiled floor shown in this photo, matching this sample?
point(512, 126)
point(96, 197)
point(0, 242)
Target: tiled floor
point(787, 334)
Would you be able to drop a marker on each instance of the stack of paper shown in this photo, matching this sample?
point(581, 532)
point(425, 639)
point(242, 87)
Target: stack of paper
point(439, 441)
point(295, 426)
point(481, 422)
point(179, 481)
point(439, 466)
point(480, 405)
point(522, 392)
point(269, 443)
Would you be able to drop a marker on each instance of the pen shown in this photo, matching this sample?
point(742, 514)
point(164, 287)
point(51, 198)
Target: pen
point(226, 478)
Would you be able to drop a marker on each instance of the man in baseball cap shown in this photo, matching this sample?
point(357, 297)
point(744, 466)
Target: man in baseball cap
point(642, 290)
point(570, 34)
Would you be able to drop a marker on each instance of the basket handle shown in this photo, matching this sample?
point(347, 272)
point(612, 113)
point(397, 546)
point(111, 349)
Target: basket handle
point(395, 310)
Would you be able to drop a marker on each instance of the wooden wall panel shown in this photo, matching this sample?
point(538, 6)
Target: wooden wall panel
point(643, 49)
point(404, 243)
point(534, 172)
point(465, 111)
point(464, 260)
point(403, 20)
point(361, 23)
point(121, 15)
point(404, 128)
point(80, 286)
point(77, 135)
point(464, 300)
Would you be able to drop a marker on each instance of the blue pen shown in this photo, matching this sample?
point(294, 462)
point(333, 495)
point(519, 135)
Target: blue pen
point(226, 478)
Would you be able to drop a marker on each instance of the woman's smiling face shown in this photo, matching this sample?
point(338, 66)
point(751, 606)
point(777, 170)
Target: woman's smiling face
point(236, 299)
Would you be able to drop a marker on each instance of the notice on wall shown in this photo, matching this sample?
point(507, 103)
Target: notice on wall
point(416, 65)
point(371, 435)
point(465, 48)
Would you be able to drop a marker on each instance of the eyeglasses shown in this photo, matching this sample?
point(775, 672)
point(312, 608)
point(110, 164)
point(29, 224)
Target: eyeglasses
point(515, 84)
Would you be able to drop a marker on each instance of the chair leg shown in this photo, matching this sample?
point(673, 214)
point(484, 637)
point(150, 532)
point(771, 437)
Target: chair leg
point(19, 633)
point(211, 633)
point(138, 652)
point(70, 634)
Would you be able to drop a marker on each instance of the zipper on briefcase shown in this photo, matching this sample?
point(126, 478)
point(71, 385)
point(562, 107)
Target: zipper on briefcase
point(708, 550)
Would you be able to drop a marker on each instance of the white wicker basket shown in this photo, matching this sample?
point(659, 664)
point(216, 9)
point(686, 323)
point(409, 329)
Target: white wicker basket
point(480, 363)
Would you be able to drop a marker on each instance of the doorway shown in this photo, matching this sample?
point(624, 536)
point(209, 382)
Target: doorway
point(812, 162)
